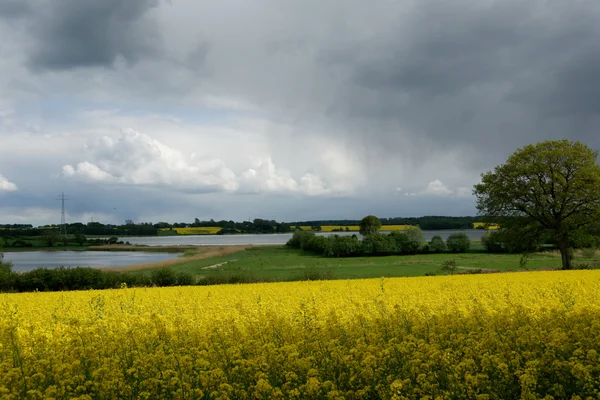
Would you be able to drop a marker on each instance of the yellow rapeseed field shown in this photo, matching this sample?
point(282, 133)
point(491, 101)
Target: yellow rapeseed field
point(202, 230)
point(486, 225)
point(356, 228)
point(498, 336)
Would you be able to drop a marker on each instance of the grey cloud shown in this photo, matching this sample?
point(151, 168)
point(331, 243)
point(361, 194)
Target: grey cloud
point(479, 76)
point(197, 58)
point(416, 90)
point(14, 9)
point(75, 33)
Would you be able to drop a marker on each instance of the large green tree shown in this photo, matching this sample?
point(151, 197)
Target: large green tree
point(369, 225)
point(552, 187)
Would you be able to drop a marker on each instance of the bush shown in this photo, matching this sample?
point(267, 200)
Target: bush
point(317, 244)
point(437, 244)
point(513, 241)
point(184, 279)
point(449, 266)
point(492, 241)
point(21, 243)
point(300, 239)
point(343, 246)
point(589, 252)
point(163, 277)
point(458, 242)
point(409, 241)
point(7, 276)
point(378, 244)
point(400, 241)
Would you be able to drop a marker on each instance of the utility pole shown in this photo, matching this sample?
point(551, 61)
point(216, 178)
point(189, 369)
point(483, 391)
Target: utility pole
point(63, 220)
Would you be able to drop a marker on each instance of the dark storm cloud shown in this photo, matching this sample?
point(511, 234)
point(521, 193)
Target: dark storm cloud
point(490, 76)
point(408, 92)
point(84, 33)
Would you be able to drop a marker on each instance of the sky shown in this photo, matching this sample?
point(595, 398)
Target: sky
point(156, 110)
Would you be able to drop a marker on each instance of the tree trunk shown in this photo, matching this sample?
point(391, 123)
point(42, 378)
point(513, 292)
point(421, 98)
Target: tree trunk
point(563, 246)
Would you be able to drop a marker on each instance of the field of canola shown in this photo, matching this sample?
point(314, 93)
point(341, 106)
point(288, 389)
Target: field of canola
point(519, 335)
point(356, 228)
point(203, 230)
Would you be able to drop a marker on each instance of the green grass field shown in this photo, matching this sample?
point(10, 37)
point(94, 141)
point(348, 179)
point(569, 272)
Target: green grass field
point(282, 263)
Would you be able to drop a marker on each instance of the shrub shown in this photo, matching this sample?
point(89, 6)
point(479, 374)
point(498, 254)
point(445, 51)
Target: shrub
point(589, 252)
point(437, 244)
point(7, 276)
point(317, 244)
point(416, 241)
point(458, 242)
point(184, 279)
point(492, 241)
point(343, 246)
point(300, 239)
point(378, 244)
point(409, 241)
point(163, 277)
point(21, 243)
point(449, 266)
point(400, 240)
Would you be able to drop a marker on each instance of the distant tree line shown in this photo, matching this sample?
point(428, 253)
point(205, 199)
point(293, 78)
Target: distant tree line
point(91, 228)
point(425, 223)
point(257, 225)
point(16, 226)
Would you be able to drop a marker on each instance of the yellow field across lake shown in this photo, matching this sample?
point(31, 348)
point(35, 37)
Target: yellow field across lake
point(355, 228)
point(203, 230)
point(486, 225)
point(517, 335)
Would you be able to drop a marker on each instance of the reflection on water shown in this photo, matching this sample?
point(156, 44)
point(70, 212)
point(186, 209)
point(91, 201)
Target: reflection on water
point(28, 260)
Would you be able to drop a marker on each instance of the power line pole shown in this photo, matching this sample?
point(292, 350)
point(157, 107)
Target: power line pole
point(63, 220)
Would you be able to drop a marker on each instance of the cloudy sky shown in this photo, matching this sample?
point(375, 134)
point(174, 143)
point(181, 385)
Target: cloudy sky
point(283, 109)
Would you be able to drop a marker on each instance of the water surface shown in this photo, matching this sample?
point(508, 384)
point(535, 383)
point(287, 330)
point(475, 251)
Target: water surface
point(29, 260)
point(258, 239)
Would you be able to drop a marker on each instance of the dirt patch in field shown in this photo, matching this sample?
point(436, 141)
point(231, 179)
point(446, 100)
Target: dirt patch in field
point(215, 266)
point(203, 252)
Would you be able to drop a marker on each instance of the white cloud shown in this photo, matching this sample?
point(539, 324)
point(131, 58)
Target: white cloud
point(265, 177)
point(439, 189)
point(6, 185)
point(87, 172)
point(134, 158)
point(314, 185)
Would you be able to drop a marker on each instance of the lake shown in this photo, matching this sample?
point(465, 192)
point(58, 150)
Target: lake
point(275, 238)
point(29, 260)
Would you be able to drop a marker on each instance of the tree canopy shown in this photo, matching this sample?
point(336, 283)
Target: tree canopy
point(550, 187)
point(369, 225)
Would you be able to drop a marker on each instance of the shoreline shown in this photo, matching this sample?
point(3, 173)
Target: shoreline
point(201, 253)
